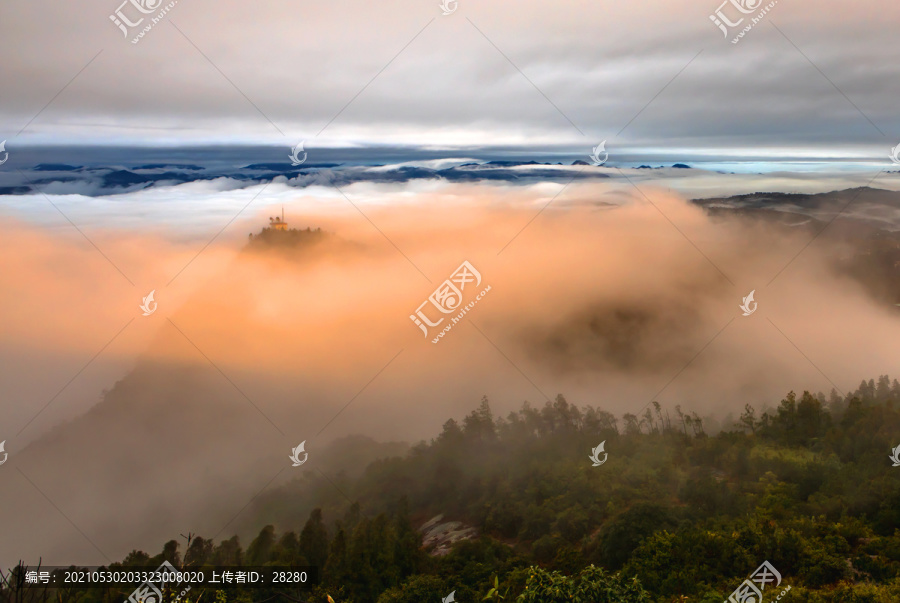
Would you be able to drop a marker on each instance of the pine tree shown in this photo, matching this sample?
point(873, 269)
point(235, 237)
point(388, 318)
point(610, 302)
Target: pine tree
point(228, 552)
point(199, 550)
point(314, 540)
point(479, 424)
point(407, 542)
point(883, 389)
point(748, 419)
point(337, 569)
point(260, 549)
point(287, 551)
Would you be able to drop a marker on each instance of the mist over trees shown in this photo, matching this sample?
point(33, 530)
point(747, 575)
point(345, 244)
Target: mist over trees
point(674, 513)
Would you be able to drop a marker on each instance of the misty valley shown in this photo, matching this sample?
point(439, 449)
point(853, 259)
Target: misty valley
point(678, 449)
point(449, 301)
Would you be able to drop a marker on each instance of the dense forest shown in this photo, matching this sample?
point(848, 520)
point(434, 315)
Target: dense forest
point(673, 514)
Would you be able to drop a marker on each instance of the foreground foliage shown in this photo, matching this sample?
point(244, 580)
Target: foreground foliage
point(674, 514)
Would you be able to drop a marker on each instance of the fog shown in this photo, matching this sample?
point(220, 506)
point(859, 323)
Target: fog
point(613, 300)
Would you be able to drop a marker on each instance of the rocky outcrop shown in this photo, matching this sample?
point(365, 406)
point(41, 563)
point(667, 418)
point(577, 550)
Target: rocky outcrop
point(439, 536)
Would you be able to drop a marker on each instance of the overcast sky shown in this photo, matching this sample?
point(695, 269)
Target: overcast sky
point(817, 78)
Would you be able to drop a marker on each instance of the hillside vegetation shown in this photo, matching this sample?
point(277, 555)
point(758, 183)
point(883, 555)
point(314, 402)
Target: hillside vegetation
point(674, 514)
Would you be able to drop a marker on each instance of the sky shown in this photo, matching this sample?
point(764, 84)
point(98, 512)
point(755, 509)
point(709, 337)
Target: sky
point(809, 80)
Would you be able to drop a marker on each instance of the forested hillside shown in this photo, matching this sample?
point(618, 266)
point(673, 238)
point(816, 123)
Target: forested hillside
point(673, 514)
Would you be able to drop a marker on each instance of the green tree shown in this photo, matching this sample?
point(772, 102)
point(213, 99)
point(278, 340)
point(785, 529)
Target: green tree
point(228, 552)
point(337, 568)
point(199, 551)
point(479, 424)
point(407, 542)
point(592, 585)
point(748, 419)
point(287, 551)
point(313, 545)
point(260, 549)
point(621, 535)
point(417, 589)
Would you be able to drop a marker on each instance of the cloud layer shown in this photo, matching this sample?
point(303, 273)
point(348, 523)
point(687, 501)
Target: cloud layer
point(252, 351)
point(519, 73)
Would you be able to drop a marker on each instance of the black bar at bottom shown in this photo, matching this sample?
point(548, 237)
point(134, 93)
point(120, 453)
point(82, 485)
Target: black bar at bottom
point(150, 581)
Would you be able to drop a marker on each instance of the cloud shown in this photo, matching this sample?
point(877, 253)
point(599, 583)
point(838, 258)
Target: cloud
point(599, 64)
point(611, 306)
